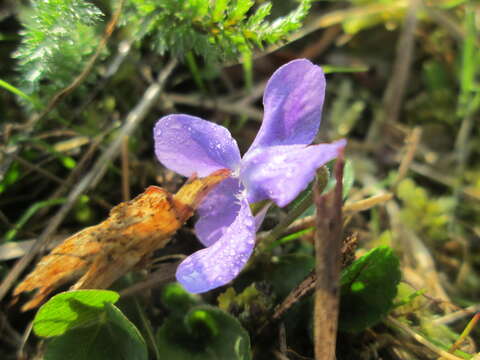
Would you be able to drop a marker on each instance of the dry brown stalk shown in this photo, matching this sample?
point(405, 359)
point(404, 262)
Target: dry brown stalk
point(328, 261)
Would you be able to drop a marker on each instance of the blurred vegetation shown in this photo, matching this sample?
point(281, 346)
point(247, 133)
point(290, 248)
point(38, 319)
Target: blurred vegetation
point(81, 85)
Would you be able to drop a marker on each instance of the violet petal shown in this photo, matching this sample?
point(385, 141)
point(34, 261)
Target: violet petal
point(293, 102)
point(280, 173)
point(218, 211)
point(189, 145)
point(218, 264)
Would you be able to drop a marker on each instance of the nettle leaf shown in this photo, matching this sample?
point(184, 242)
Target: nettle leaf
point(368, 289)
point(203, 333)
point(71, 309)
point(84, 324)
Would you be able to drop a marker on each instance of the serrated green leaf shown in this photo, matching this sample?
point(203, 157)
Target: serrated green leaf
point(59, 36)
point(238, 11)
point(71, 309)
point(260, 14)
point(368, 289)
point(219, 10)
point(207, 333)
point(225, 32)
point(115, 337)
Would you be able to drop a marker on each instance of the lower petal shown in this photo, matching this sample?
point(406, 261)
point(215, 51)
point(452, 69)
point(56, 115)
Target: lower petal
point(220, 263)
point(280, 173)
point(218, 211)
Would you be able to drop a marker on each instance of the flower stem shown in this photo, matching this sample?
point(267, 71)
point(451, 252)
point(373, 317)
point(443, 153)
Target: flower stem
point(298, 210)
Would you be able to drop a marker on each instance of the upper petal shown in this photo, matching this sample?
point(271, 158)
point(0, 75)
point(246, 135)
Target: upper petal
point(293, 102)
point(218, 211)
point(187, 145)
point(218, 264)
point(280, 173)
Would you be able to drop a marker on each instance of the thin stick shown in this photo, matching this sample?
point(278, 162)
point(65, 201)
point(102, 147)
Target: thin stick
point(457, 315)
point(219, 104)
point(309, 221)
point(164, 274)
point(125, 171)
point(395, 91)
point(91, 179)
point(328, 255)
point(395, 324)
point(411, 148)
point(465, 333)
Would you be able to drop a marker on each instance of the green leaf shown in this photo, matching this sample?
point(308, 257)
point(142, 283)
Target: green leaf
point(368, 289)
point(115, 337)
point(348, 178)
point(177, 299)
point(71, 309)
point(228, 30)
point(206, 333)
point(238, 11)
point(289, 271)
point(219, 10)
point(260, 14)
point(59, 36)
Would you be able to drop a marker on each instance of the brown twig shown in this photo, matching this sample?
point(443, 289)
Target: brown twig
point(328, 261)
point(164, 274)
point(218, 104)
point(395, 91)
point(125, 171)
point(411, 145)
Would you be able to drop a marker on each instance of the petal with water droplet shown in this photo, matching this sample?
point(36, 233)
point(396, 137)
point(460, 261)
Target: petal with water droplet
point(293, 102)
point(280, 173)
point(188, 145)
point(218, 211)
point(220, 263)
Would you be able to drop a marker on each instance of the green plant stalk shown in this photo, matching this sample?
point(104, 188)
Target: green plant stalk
point(468, 100)
point(148, 328)
point(247, 69)
point(468, 329)
point(20, 93)
point(331, 69)
point(289, 238)
point(305, 203)
point(193, 67)
point(10, 235)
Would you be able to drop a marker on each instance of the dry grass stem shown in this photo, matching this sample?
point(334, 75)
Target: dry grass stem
point(328, 261)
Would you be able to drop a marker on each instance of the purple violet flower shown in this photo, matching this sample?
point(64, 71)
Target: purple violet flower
point(278, 166)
